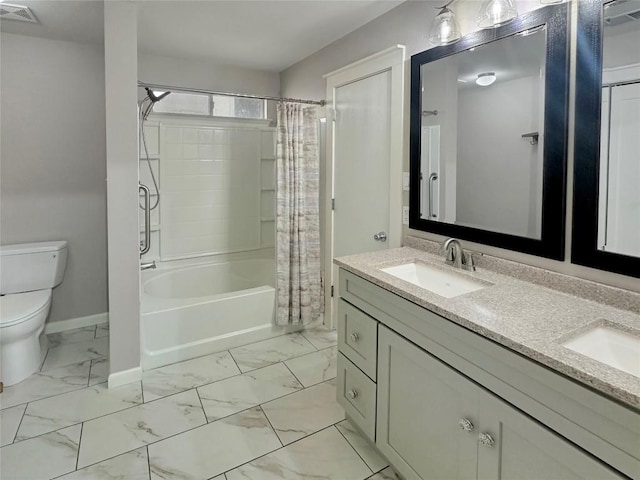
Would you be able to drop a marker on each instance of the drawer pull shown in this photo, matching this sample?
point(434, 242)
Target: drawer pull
point(486, 440)
point(354, 337)
point(465, 425)
point(352, 394)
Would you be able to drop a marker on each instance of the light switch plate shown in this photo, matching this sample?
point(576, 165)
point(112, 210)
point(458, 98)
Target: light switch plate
point(405, 215)
point(405, 181)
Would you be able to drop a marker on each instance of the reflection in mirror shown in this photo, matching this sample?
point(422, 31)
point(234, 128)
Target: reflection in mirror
point(619, 182)
point(482, 136)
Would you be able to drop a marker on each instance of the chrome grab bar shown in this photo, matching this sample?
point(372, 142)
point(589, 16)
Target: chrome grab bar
point(147, 218)
point(433, 177)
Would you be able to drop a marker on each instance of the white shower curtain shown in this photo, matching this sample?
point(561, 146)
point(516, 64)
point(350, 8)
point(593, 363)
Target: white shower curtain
point(300, 296)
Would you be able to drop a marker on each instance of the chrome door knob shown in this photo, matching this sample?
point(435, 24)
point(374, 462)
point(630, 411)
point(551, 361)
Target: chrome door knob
point(465, 424)
point(380, 237)
point(486, 440)
point(354, 337)
point(352, 394)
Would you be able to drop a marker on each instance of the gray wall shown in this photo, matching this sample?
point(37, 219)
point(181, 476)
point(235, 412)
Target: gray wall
point(499, 174)
point(209, 76)
point(121, 67)
point(53, 161)
point(408, 24)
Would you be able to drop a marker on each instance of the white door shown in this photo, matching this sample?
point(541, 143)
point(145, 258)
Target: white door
point(623, 195)
point(361, 165)
point(364, 161)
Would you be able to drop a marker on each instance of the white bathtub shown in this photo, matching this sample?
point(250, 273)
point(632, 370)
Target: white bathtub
point(194, 310)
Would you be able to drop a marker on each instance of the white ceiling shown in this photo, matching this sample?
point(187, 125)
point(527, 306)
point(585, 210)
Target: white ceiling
point(71, 20)
point(262, 34)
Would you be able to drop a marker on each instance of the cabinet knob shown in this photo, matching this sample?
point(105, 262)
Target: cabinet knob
point(486, 440)
point(352, 394)
point(465, 425)
point(354, 337)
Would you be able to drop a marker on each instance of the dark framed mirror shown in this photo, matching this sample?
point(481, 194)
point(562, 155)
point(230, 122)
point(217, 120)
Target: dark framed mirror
point(606, 212)
point(488, 135)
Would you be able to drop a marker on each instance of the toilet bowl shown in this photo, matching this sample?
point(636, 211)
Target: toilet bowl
point(21, 324)
point(29, 273)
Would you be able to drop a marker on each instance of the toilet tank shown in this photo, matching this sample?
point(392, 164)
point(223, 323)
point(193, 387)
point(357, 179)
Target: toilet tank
point(27, 267)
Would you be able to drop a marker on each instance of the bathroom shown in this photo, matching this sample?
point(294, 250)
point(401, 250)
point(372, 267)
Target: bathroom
point(131, 338)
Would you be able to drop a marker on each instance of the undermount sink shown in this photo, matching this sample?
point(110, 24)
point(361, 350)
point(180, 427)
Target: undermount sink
point(436, 280)
point(608, 345)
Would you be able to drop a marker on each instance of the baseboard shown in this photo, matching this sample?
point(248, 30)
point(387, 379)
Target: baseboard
point(125, 376)
point(71, 323)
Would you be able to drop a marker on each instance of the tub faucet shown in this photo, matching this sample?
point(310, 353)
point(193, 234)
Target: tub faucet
point(457, 257)
point(147, 266)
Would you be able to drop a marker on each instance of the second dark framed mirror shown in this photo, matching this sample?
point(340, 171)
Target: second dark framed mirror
point(489, 135)
point(606, 212)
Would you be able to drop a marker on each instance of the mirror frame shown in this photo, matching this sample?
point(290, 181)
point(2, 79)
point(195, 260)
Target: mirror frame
point(584, 246)
point(551, 243)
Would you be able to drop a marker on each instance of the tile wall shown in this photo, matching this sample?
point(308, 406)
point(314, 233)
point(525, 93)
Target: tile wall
point(217, 183)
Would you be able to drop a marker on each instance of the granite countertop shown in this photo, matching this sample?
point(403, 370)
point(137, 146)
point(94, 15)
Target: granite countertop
point(530, 319)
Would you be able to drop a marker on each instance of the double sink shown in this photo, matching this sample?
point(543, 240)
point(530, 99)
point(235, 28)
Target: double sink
point(602, 342)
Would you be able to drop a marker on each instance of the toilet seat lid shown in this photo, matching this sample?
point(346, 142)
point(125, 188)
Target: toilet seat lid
point(18, 307)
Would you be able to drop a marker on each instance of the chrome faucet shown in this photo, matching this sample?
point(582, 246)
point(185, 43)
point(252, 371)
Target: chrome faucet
point(457, 257)
point(147, 266)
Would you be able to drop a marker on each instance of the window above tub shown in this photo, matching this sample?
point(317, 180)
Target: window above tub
point(211, 105)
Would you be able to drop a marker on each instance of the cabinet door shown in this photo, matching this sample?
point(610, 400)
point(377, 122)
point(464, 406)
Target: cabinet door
point(525, 450)
point(420, 404)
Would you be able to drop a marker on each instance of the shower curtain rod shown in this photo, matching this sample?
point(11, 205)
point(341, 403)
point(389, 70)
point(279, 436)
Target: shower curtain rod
point(228, 94)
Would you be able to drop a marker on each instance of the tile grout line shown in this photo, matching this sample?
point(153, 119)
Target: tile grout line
point(79, 443)
point(45, 357)
point(204, 412)
point(100, 357)
point(234, 361)
point(294, 376)
point(106, 459)
point(271, 425)
point(56, 394)
point(281, 448)
point(89, 376)
point(19, 424)
point(94, 418)
point(352, 447)
point(148, 461)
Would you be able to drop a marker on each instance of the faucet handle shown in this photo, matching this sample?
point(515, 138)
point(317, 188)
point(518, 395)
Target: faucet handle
point(468, 262)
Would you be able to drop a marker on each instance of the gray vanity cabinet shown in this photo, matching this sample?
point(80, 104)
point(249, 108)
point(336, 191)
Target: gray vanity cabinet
point(434, 423)
point(523, 449)
point(420, 403)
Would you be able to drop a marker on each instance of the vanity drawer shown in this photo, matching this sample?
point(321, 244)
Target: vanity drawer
point(357, 395)
point(358, 337)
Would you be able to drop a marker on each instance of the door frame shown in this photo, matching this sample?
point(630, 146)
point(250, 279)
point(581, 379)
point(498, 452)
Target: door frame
point(391, 59)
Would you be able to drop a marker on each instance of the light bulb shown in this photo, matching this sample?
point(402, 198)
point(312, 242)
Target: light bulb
point(445, 29)
point(495, 13)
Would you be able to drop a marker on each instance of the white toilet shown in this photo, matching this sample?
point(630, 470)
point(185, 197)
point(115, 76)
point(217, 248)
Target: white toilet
point(28, 272)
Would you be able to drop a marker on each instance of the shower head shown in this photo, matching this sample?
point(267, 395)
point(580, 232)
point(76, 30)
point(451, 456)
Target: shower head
point(153, 98)
point(156, 98)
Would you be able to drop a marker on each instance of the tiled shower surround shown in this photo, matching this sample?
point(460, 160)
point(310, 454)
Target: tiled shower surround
point(263, 411)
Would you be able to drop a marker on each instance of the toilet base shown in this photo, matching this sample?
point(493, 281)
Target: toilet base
point(22, 358)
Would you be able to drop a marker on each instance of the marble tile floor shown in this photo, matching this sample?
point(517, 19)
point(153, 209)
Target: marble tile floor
point(262, 411)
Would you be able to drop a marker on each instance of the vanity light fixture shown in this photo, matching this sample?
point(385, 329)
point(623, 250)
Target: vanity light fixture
point(445, 29)
point(486, 79)
point(495, 13)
